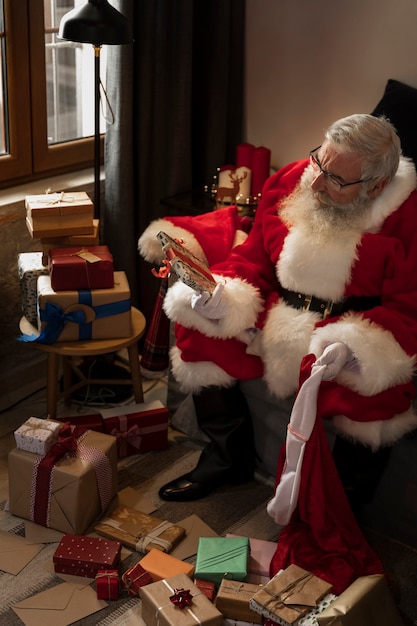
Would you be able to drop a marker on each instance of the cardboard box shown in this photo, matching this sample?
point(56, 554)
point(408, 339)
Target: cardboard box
point(138, 428)
point(232, 600)
point(55, 214)
point(30, 267)
point(85, 556)
point(161, 565)
point(368, 601)
point(104, 313)
point(37, 435)
point(140, 531)
point(159, 608)
point(67, 241)
point(81, 267)
point(134, 578)
point(222, 557)
point(78, 492)
point(289, 595)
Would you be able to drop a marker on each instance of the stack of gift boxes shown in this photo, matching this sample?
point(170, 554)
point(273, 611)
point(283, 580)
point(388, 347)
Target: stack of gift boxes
point(70, 290)
point(65, 478)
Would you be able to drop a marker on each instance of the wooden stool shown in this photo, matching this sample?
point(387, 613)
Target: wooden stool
point(68, 349)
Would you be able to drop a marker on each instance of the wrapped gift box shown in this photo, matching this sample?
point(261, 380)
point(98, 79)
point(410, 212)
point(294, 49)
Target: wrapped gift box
point(55, 214)
point(207, 587)
point(138, 428)
point(222, 557)
point(67, 241)
point(309, 619)
point(81, 485)
point(104, 313)
point(107, 584)
point(140, 531)
point(37, 435)
point(161, 565)
point(89, 422)
point(30, 267)
point(232, 600)
point(260, 556)
point(85, 556)
point(368, 600)
point(81, 267)
point(289, 595)
point(134, 578)
point(161, 602)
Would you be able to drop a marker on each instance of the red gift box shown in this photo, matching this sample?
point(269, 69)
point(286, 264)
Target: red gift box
point(75, 268)
point(80, 555)
point(89, 422)
point(135, 578)
point(207, 587)
point(137, 428)
point(107, 584)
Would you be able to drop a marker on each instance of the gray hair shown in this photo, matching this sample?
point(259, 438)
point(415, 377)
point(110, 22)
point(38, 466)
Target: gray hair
point(373, 138)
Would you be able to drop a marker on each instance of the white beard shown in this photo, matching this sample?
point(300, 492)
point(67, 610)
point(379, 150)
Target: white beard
point(319, 217)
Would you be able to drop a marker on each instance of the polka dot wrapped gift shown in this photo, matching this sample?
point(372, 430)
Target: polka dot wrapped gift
point(80, 555)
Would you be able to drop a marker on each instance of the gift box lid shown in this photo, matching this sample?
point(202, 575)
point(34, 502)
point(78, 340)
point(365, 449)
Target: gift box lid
point(222, 557)
point(92, 551)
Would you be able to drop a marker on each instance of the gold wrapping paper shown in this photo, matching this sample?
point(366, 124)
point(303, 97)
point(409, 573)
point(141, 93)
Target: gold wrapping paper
point(290, 594)
point(140, 531)
point(158, 610)
point(232, 600)
point(75, 499)
point(367, 601)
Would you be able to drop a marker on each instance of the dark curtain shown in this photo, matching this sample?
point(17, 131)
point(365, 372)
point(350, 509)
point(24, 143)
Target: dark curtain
point(177, 94)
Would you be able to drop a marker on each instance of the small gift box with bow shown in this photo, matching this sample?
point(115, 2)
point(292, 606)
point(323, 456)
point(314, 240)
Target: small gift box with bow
point(176, 601)
point(107, 584)
point(79, 555)
point(37, 435)
point(289, 595)
point(81, 267)
point(138, 428)
point(56, 214)
point(233, 598)
point(134, 578)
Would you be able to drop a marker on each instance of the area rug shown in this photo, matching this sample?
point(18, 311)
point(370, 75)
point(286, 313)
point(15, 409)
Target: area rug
point(239, 510)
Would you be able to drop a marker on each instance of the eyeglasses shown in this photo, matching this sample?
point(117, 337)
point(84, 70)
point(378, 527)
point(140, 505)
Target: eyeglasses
point(332, 179)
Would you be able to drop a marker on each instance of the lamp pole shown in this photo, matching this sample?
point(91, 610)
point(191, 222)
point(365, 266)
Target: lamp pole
point(97, 199)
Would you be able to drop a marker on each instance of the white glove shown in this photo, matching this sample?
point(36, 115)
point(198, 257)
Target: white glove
point(213, 305)
point(336, 356)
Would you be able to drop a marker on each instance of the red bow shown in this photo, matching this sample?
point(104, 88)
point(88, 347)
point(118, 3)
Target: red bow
point(181, 598)
point(163, 272)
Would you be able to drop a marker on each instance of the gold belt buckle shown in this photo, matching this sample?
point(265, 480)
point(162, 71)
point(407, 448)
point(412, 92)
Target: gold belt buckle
point(307, 303)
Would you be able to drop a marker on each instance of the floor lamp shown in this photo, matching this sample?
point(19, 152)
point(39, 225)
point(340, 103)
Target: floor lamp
point(98, 23)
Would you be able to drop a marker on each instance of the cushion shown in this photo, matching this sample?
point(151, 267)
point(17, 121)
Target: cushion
point(399, 105)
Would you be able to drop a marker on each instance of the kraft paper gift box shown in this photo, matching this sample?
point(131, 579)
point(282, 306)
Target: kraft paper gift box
point(55, 214)
point(138, 428)
point(67, 241)
point(37, 435)
point(368, 600)
point(232, 600)
point(139, 531)
point(161, 565)
point(80, 487)
point(289, 595)
point(79, 555)
point(85, 314)
point(30, 267)
point(107, 584)
point(309, 619)
point(222, 557)
point(134, 578)
point(81, 267)
point(162, 602)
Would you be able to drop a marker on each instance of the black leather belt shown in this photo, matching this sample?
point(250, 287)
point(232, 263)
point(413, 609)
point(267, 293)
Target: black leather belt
point(328, 308)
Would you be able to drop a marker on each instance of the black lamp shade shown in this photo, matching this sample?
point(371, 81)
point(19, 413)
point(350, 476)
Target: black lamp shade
point(96, 22)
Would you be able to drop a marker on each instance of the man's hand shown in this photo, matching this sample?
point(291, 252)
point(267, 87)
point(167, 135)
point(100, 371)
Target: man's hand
point(336, 356)
point(212, 306)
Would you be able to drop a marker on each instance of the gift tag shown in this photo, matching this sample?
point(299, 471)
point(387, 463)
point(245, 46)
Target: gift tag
point(88, 256)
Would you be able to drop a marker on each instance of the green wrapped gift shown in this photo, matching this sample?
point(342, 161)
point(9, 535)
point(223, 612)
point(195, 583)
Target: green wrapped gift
point(222, 557)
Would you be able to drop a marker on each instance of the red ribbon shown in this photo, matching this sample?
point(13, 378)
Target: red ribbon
point(181, 598)
point(132, 436)
point(163, 272)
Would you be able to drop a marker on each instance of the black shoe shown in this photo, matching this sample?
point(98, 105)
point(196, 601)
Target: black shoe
point(185, 489)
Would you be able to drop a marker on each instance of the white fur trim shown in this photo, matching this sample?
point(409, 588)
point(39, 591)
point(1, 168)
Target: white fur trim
point(379, 433)
point(243, 307)
point(285, 339)
point(150, 248)
point(382, 361)
point(193, 376)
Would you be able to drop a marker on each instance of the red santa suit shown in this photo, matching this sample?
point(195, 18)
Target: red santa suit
point(262, 335)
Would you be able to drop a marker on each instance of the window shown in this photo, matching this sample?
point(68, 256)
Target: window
point(46, 93)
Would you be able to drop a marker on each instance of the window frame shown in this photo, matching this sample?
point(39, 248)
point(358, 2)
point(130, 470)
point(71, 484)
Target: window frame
point(30, 156)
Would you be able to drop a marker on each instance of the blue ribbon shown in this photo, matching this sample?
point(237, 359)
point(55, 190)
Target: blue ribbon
point(56, 319)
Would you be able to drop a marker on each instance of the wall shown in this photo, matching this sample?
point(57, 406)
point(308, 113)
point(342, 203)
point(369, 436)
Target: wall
point(311, 62)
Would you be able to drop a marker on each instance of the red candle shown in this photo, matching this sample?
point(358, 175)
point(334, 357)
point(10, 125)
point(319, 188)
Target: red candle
point(244, 155)
point(261, 165)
